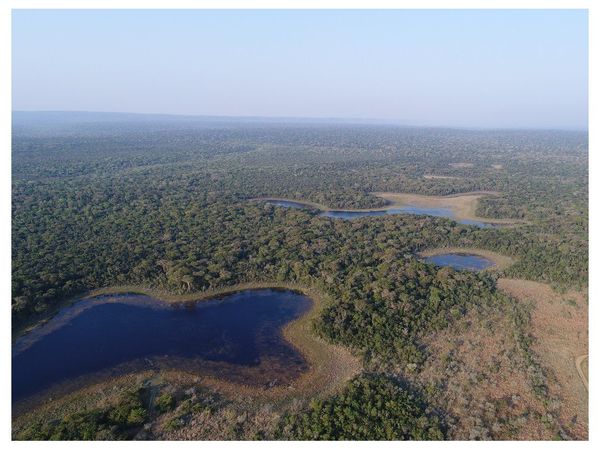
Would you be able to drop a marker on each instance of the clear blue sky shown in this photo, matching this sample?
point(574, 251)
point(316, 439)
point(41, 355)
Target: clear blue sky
point(449, 68)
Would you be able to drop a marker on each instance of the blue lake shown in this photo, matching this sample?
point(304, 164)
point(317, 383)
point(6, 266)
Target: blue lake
point(236, 337)
point(460, 261)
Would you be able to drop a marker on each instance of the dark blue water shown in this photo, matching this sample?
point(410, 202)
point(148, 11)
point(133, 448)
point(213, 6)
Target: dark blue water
point(240, 330)
point(460, 261)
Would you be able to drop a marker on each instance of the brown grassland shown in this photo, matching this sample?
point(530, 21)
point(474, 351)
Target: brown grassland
point(559, 323)
point(481, 382)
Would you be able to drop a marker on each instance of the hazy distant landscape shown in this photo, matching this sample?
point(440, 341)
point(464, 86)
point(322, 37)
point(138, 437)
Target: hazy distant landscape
point(299, 224)
point(169, 209)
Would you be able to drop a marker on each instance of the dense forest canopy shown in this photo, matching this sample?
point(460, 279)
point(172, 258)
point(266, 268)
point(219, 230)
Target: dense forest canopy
point(165, 204)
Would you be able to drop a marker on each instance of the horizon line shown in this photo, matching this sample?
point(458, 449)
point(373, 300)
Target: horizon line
point(338, 120)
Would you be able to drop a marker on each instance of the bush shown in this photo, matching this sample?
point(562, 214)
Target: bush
point(370, 408)
point(164, 403)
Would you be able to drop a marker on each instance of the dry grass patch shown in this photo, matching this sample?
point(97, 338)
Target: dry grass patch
point(235, 418)
point(463, 206)
point(95, 395)
point(461, 165)
point(476, 374)
point(559, 323)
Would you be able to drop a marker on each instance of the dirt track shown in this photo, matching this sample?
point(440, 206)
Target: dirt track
point(582, 375)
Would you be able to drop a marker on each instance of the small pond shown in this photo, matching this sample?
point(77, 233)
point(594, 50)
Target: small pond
point(237, 337)
point(460, 261)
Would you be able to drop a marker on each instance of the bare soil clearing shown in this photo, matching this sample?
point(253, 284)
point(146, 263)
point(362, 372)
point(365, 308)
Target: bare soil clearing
point(559, 322)
point(461, 165)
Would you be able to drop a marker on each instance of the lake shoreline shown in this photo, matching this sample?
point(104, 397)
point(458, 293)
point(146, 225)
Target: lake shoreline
point(157, 294)
point(462, 205)
point(329, 365)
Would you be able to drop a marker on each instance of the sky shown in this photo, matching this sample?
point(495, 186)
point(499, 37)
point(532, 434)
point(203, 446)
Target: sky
point(457, 68)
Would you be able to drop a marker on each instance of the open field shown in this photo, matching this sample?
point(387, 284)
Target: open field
point(501, 262)
point(559, 323)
